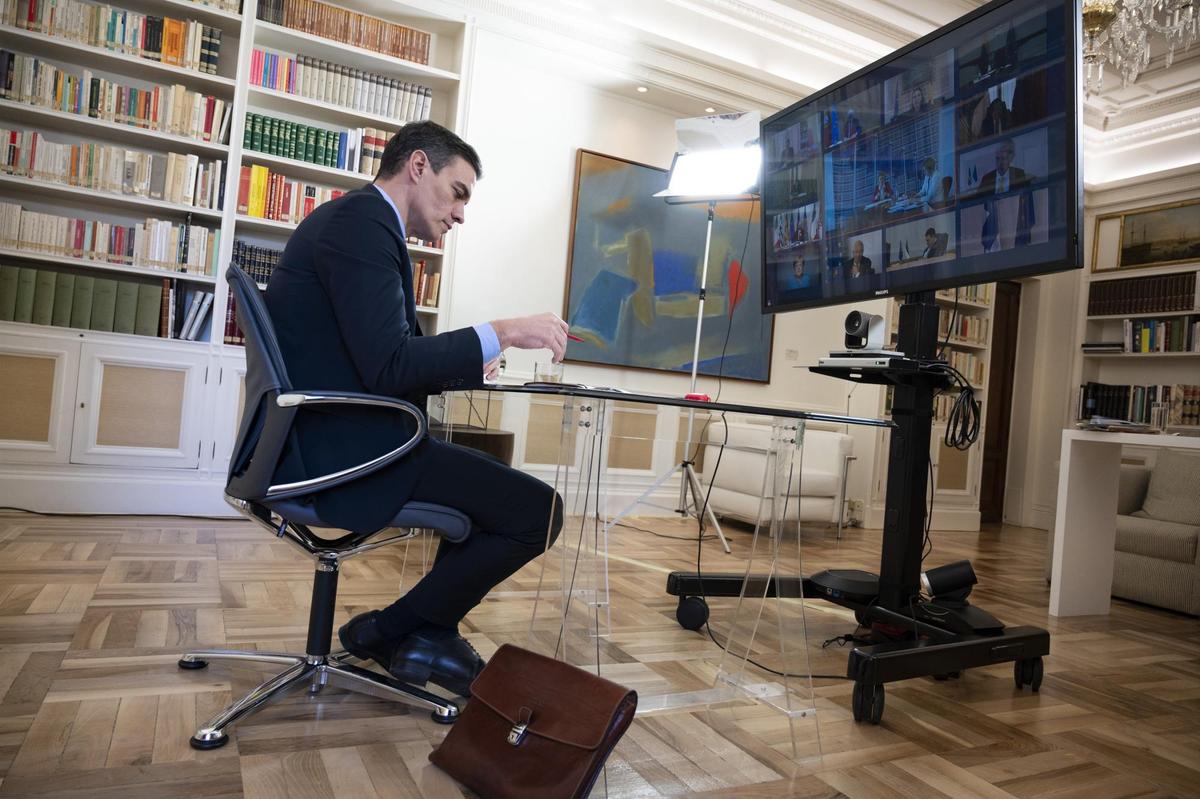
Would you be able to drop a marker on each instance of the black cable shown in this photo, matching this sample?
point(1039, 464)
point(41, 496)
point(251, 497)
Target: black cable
point(51, 514)
point(700, 580)
point(949, 327)
point(661, 535)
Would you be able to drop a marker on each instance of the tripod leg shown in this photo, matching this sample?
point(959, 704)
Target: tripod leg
point(698, 502)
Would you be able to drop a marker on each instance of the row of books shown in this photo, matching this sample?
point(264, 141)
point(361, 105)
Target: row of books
point(1137, 295)
point(85, 302)
point(1133, 403)
point(426, 283)
point(178, 42)
point(170, 177)
point(341, 85)
point(270, 195)
point(970, 364)
point(981, 293)
point(350, 27)
point(1177, 334)
point(356, 150)
point(233, 332)
point(154, 244)
point(257, 261)
point(966, 327)
point(166, 109)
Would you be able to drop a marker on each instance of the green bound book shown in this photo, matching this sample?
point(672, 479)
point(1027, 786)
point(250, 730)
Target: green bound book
point(310, 143)
point(43, 297)
point(104, 303)
point(64, 293)
point(8, 292)
point(81, 304)
point(125, 312)
point(26, 285)
point(149, 306)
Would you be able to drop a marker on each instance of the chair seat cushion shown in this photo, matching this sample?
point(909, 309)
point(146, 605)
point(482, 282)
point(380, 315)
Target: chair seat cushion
point(453, 525)
point(1154, 538)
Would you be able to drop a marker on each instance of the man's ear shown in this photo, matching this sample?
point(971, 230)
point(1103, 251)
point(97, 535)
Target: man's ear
point(418, 164)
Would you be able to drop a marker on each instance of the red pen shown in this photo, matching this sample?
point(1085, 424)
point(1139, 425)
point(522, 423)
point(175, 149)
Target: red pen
point(574, 337)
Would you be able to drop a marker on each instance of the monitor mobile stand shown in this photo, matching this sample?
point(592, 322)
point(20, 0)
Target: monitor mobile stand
point(950, 634)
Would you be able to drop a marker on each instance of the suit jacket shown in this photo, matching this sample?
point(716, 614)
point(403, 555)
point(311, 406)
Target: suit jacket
point(342, 303)
point(1017, 178)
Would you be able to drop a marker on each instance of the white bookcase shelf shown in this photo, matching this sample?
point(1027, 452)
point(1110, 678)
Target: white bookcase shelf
point(40, 188)
point(273, 101)
point(188, 476)
point(293, 168)
point(89, 128)
point(277, 37)
point(101, 266)
point(99, 58)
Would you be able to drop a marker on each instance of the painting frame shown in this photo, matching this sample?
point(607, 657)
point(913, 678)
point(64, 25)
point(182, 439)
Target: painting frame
point(580, 155)
point(1120, 263)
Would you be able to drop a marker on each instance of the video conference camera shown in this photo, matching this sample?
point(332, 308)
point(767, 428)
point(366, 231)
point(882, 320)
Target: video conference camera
point(865, 331)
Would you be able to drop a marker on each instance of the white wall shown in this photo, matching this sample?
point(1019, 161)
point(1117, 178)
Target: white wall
point(1049, 365)
point(527, 113)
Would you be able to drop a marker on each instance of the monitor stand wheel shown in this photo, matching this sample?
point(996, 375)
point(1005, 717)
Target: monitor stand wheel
point(1028, 672)
point(866, 702)
point(692, 612)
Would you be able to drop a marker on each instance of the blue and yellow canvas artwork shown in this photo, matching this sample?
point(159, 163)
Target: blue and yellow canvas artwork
point(633, 278)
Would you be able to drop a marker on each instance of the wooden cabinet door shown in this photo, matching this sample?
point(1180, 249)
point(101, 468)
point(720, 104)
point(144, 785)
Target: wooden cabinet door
point(37, 392)
point(140, 405)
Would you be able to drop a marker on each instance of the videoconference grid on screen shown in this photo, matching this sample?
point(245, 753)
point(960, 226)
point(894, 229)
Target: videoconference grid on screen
point(947, 162)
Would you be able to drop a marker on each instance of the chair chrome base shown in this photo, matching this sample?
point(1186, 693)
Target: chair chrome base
point(314, 670)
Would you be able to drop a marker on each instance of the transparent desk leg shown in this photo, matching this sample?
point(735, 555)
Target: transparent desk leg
point(572, 606)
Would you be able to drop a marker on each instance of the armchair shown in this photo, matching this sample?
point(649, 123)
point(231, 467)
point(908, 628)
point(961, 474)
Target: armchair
point(265, 437)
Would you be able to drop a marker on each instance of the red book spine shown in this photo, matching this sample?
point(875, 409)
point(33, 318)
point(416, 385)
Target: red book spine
point(243, 195)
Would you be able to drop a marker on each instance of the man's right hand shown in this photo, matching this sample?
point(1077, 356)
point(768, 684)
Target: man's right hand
point(542, 331)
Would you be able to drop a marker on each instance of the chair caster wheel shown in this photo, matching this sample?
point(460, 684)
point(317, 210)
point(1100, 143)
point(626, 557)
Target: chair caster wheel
point(692, 613)
point(867, 702)
point(204, 741)
point(1028, 672)
point(444, 718)
point(192, 664)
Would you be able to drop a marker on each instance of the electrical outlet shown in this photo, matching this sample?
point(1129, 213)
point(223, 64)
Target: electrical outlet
point(791, 355)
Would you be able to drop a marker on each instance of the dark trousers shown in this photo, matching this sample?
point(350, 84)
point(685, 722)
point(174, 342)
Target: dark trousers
point(513, 514)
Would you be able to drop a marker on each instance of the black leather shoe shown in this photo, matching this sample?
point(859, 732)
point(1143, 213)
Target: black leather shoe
point(361, 638)
point(437, 655)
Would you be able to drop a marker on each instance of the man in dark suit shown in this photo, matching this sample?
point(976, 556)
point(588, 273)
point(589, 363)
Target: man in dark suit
point(934, 245)
point(859, 265)
point(1005, 177)
point(342, 303)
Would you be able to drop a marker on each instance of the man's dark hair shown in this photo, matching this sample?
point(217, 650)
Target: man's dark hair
point(930, 232)
point(438, 143)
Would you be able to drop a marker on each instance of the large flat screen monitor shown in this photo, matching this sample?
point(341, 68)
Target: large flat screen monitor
point(952, 161)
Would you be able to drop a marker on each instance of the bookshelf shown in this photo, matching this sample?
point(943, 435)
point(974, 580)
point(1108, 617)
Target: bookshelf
point(107, 414)
point(956, 474)
point(1140, 344)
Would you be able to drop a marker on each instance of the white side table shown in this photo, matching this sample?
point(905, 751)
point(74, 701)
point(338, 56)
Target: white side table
point(1085, 528)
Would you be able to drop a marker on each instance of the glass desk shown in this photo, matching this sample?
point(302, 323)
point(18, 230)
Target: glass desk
point(605, 609)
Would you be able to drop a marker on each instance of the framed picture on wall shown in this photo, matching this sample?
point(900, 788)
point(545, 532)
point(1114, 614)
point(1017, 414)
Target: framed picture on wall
point(1159, 235)
point(633, 277)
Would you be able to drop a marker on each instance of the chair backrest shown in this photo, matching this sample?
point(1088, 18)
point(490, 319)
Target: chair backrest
point(943, 240)
point(265, 427)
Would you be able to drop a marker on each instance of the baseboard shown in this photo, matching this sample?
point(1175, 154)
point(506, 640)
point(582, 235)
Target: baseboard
point(944, 519)
point(157, 494)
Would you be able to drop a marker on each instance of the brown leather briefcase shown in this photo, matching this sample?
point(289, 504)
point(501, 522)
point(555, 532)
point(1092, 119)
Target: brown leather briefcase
point(535, 727)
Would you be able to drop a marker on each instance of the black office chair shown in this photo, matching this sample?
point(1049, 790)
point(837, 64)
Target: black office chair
point(271, 405)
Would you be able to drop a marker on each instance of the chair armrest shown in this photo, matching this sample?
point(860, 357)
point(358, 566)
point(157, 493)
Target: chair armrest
point(1131, 493)
point(302, 398)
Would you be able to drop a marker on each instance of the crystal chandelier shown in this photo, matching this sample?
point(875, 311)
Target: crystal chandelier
point(1119, 31)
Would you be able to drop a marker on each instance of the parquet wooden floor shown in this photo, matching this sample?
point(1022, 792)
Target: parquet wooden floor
point(95, 611)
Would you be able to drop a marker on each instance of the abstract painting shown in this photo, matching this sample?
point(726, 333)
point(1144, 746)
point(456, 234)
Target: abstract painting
point(633, 278)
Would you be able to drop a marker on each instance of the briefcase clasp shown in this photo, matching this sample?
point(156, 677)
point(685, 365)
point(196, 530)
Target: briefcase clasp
point(517, 734)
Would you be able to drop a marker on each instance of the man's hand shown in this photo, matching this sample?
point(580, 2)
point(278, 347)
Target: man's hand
point(543, 331)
